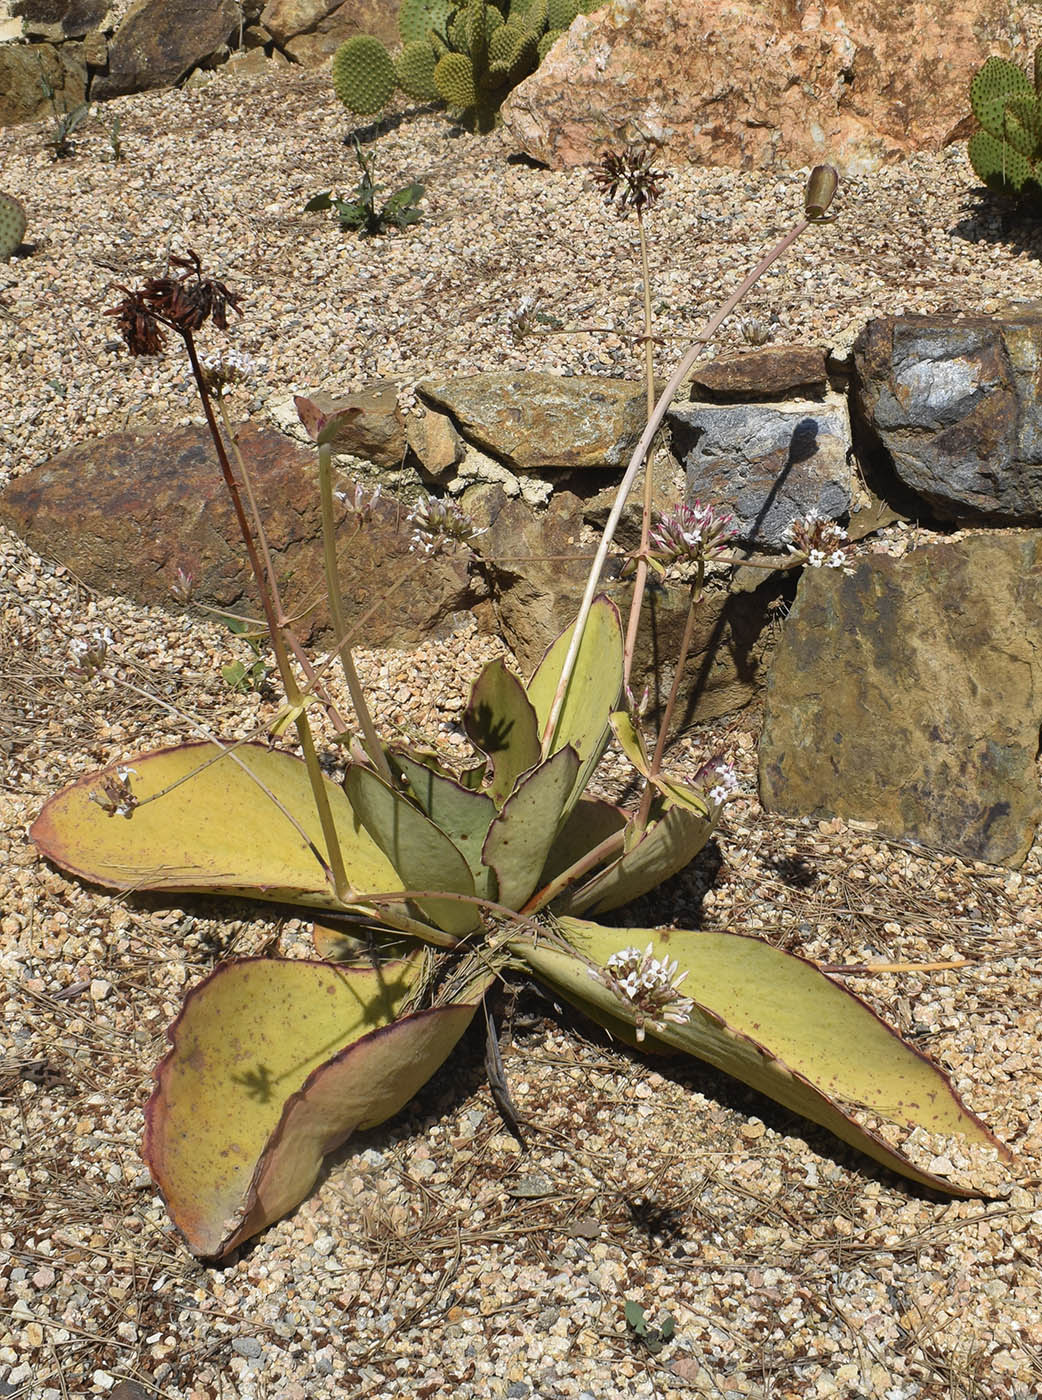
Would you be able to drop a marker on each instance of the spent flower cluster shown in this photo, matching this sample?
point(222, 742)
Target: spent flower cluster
point(650, 986)
point(89, 653)
point(181, 303)
point(627, 179)
point(690, 534)
point(438, 523)
point(825, 544)
point(113, 794)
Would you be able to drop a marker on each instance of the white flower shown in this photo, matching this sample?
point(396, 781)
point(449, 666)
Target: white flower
point(649, 986)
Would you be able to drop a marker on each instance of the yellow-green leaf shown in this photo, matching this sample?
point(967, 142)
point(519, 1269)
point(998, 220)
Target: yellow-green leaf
point(593, 691)
point(780, 1025)
point(216, 830)
point(274, 1064)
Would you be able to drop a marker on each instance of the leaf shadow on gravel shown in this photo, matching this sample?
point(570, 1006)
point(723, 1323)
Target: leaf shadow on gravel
point(997, 220)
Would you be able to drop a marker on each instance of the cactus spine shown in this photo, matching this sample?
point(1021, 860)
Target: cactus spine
point(1007, 151)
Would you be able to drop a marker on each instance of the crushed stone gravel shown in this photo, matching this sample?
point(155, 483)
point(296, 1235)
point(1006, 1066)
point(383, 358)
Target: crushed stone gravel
point(435, 1259)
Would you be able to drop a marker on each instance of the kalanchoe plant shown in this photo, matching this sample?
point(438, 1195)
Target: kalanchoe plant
point(473, 872)
point(359, 211)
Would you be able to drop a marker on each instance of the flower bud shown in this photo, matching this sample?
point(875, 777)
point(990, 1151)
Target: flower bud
point(821, 190)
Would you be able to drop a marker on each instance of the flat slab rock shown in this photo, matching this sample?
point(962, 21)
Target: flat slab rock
point(532, 420)
point(125, 512)
point(909, 693)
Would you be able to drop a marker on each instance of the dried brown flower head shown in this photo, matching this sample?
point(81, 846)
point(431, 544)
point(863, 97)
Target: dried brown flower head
point(140, 330)
point(183, 303)
point(627, 179)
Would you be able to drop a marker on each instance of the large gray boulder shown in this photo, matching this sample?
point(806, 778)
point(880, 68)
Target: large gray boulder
point(767, 463)
point(953, 408)
point(909, 694)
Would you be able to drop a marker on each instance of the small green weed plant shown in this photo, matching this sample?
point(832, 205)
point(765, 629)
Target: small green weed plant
point(359, 211)
point(452, 878)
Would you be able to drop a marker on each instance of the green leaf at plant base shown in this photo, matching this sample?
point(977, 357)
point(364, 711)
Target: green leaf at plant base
point(500, 721)
point(461, 813)
point(215, 832)
point(521, 837)
point(422, 855)
point(666, 846)
point(274, 1064)
point(778, 1024)
point(593, 692)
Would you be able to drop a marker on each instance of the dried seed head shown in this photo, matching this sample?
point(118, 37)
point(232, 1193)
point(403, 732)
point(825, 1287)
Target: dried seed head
point(182, 303)
point(627, 180)
point(135, 322)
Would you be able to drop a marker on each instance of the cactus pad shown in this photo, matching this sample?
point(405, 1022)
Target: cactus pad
point(415, 69)
point(992, 87)
point(12, 225)
point(454, 79)
point(363, 75)
point(560, 13)
point(547, 42)
point(512, 50)
point(1002, 168)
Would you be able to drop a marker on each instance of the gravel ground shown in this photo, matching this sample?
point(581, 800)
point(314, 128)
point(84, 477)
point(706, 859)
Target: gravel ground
point(435, 1259)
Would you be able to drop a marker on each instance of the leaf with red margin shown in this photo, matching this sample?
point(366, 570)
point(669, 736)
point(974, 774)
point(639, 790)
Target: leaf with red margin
point(275, 1063)
point(776, 1022)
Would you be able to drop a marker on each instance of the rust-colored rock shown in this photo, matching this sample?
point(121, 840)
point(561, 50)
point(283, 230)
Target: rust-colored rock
point(755, 376)
point(757, 84)
point(125, 512)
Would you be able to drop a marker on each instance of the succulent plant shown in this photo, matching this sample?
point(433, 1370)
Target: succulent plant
point(469, 53)
point(363, 74)
point(12, 225)
point(1007, 151)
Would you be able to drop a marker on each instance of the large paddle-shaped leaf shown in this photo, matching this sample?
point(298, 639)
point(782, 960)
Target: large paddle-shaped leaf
point(593, 691)
point(274, 1064)
point(217, 830)
point(777, 1023)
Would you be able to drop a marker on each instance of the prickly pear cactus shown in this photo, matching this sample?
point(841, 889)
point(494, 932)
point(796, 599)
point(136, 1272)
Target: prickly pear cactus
point(363, 75)
point(1007, 151)
point(12, 225)
point(469, 53)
